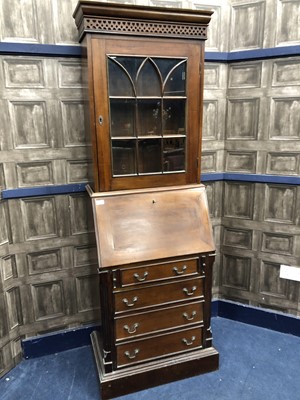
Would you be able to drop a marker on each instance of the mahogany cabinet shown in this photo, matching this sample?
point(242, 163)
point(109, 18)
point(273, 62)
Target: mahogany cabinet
point(156, 251)
point(144, 68)
point(145, 78)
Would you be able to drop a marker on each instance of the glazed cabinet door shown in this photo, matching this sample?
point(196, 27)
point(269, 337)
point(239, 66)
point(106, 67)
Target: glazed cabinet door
point(147, 112)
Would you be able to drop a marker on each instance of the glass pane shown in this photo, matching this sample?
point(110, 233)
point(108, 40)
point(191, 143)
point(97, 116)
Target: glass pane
point(130, 64)
point(165, 65)
point(173, 117)
point(149, 81)
point(149, 117)
point(174, 154)
point(124, 157)
point(122, 117)
point(118, 80)
point(139, 108)
point(150, 155)
point(175, 84)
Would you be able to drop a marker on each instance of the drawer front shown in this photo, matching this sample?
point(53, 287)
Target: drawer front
point(158, 272)
point(141, 350)
point(159, 294)
point(153, 321)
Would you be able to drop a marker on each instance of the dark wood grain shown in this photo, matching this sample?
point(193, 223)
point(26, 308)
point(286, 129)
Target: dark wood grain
point(134, 325)
point(159, 294)
point(157, 272)
point(134, 378)
point(99, 104)
point(140, 226)
point(154, 236)
point(159, 346)
point(97, 8)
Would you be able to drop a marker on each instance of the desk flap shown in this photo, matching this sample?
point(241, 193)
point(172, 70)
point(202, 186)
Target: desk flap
point(147, 225)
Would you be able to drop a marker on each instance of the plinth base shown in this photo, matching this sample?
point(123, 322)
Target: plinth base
point(153, 373)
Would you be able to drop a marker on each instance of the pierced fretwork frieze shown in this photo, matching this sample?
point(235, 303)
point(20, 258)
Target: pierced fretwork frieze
point(145, 28)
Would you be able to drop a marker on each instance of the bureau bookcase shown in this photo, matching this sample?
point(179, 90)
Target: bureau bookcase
point(144, 70)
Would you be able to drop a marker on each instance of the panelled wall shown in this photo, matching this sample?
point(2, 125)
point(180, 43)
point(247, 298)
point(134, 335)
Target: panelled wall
point(48, 256)
point(252, 133)
point(260, 223)
point(48, 263)
point(257, 131)
point(48, 266)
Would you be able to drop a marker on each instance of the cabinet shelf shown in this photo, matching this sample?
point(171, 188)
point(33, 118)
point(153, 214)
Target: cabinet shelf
point(166, 136)
point(169, 97)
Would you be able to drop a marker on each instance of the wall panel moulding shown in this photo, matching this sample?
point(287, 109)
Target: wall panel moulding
point(53, 50)
point(205, 177)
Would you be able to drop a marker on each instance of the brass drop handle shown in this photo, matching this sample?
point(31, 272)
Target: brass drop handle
point(191, 317)
point(141, 278)
point(180, 272)
point(131, 329)
point(189, 292)
point(189, 342)
point(132, 355)
point(132, 303)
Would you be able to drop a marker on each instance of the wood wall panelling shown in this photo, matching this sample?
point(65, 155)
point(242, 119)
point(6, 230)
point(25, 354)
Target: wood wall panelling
point(287, 31)
point(281, 163)
point(238, 200)
point(238, 161)
point(242, 118)
point(42, 142)
point(21, 21)
point(46, 143)
point(286, 72)
point(285, 118)
point(236, 272)
point(245, 75)
point(251, 17)
point(280, 204)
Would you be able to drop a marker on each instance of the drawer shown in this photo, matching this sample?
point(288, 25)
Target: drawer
point(158, 320)
point(160, 294)
point(156, 272)
point(145, 349)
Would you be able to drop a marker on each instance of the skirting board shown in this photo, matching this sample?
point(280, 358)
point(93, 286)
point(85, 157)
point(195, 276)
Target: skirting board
point(276, 321)
point(71, 338)
point(58, 341)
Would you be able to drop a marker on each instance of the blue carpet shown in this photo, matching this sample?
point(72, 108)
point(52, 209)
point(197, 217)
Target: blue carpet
point(255, 364)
